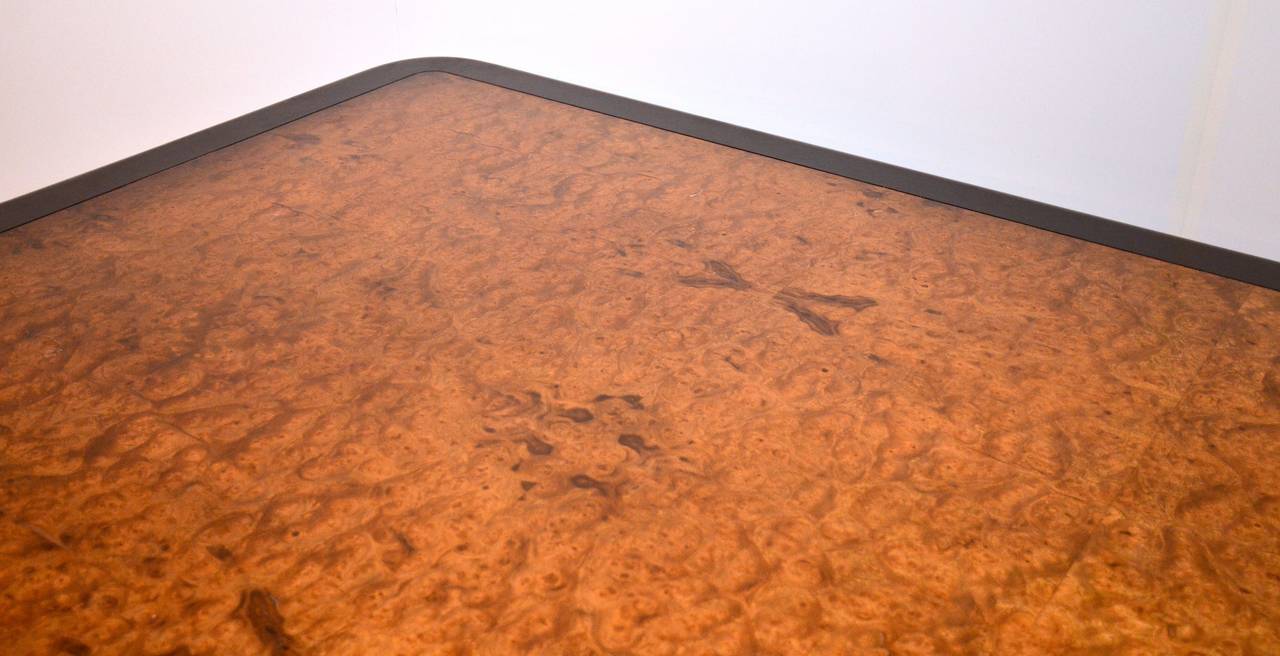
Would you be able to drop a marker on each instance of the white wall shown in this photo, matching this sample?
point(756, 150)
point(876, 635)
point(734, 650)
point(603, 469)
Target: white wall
point(1152, 113)
point(84, 83)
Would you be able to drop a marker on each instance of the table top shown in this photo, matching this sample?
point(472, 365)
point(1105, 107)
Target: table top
point(448, 368)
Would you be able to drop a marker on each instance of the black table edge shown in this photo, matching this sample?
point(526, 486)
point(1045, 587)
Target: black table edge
point(1142, 241)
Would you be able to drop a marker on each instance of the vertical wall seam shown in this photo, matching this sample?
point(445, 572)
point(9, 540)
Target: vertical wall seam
point(399, 43)
point(1202, 131)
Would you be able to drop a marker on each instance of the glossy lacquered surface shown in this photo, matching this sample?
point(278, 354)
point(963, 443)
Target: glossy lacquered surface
point(452, 369)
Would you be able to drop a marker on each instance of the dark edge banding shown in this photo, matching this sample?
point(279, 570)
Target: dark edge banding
point(1142, 241)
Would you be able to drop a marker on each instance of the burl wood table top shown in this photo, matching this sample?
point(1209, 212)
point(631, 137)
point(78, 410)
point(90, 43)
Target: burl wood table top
point(449, 369)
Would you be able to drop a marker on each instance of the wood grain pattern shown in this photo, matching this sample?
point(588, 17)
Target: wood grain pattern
point(450, 369)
